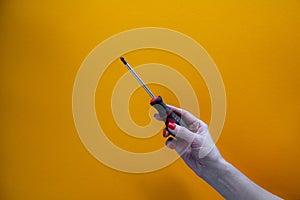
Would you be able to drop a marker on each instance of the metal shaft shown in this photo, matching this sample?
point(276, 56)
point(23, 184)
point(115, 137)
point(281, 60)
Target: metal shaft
point(137, 77)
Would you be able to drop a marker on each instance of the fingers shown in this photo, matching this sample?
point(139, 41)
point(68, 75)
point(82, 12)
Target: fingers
point(179, 145)
point(196, 137)
point(183, 136)
point(200, 145)
point(166, 133)
point(181, 132)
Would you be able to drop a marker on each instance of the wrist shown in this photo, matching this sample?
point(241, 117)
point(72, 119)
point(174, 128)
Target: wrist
point(215, 170)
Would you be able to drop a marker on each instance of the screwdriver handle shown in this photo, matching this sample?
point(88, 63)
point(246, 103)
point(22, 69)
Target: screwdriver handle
point(165, 112)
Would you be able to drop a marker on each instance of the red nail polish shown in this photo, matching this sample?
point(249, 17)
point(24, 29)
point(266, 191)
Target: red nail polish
point(171, 120)
point(171, 126)
point(165, 133)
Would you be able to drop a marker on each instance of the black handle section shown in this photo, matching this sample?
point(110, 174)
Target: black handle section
point(166, 112)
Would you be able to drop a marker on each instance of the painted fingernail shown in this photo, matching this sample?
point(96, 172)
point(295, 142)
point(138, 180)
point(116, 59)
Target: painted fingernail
point(171, 126)
point(165, 133)
point(171, 120)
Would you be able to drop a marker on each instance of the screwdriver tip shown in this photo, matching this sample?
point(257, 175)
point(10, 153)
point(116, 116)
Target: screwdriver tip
point(123, 60)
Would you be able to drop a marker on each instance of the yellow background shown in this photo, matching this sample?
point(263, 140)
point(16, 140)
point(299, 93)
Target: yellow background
point(255, 44)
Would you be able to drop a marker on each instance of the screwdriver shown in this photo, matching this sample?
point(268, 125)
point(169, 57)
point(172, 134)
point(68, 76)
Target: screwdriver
point(165, 112)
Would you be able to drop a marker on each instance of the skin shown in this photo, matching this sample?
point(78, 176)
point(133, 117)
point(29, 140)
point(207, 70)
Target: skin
point(195, 146)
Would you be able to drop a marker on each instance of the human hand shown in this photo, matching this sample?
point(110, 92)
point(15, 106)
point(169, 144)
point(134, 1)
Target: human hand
point(196, 147)
point(193, 143)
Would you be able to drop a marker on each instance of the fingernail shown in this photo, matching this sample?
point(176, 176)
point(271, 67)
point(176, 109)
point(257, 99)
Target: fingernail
point(171, 126)
point(171, 146)
point(171, 120)
point(165, 133)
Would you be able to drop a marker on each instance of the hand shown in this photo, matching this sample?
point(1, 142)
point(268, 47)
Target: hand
point(196, 147)
point(193, 143)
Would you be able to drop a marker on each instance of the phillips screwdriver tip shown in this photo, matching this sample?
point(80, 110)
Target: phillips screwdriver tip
point(123, 60)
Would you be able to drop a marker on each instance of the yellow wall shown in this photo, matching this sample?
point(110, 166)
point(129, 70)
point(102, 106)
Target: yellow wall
point(256, 45)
